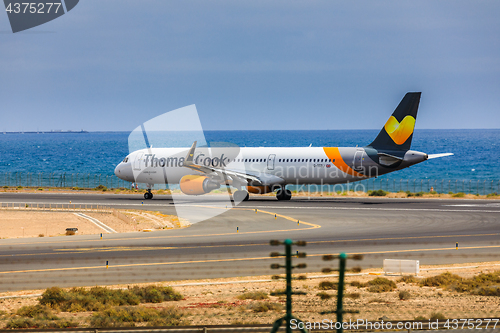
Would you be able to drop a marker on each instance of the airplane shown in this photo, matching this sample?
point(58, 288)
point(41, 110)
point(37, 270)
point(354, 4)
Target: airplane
point(261, 170)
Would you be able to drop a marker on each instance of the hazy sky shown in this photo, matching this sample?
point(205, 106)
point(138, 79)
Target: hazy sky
point(111, 65)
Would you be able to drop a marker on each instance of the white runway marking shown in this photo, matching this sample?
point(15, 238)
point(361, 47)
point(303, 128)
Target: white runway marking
point(371, 208)
point(96, 222)
point(474, 205)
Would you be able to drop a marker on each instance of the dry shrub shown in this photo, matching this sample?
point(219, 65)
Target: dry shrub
point(327, 285)
point(278, 292)
point(255, 295)
point(128, 316)
point(100, 298)
point(324, 296)
point(408, 279)
point(264, 307)
point(353, 295)
point(484, 284)
point(356, 283)
point(437, 316)
point(488, 291)
point(380, 285)
point(441, 280)
point(404, 295)
point(36, 311)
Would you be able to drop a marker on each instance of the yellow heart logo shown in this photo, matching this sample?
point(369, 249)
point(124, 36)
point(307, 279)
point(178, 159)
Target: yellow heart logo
point(400, 131)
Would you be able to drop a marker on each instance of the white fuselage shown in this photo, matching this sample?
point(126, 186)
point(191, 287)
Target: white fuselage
point(303, 165)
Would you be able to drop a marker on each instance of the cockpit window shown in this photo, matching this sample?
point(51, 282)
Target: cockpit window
point(125, 160)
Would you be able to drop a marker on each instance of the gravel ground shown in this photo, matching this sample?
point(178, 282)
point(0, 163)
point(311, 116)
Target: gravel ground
point(216, 302)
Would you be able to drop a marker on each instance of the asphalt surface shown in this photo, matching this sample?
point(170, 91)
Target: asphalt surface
point(420, 229)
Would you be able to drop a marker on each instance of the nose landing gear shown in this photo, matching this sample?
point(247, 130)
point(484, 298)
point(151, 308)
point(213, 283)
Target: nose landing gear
point(148, 195)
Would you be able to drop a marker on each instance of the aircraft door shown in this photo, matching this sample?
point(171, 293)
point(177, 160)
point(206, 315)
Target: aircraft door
point(270, 162)
point(357, 163)
point(137, 162)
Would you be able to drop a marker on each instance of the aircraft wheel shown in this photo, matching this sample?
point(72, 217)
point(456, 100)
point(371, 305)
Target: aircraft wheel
point(148, 195)
point(283, 194)
point(240, 195)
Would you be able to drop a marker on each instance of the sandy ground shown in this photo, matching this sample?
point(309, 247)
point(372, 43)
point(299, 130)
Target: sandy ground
point(18, 224)
point(213, 303)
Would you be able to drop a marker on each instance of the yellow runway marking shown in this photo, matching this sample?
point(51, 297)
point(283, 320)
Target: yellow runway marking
point(116, 248)
point(396, 238)
point(234, 259)
point(311, 226)
point(151, 248)
point(416, 250)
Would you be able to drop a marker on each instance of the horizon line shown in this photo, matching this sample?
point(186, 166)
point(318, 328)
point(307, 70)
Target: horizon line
point(226, 130)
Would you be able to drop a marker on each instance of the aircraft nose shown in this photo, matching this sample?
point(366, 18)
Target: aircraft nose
point(124, 171)
point(118, 171)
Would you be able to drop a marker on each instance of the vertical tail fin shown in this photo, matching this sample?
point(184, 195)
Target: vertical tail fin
point(398, 130)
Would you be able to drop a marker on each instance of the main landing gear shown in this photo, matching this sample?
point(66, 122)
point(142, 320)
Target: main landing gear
point(283, 194)
point(148, 195)
point(240, 195)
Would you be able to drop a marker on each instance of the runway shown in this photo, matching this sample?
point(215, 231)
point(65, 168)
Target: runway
point(236, 243)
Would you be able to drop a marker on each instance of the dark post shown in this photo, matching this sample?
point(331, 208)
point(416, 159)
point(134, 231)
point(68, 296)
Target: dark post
point(288, 267)
point(339, 311)
point(340, 291)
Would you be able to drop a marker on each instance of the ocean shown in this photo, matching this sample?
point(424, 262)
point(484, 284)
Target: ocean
point(477, 153)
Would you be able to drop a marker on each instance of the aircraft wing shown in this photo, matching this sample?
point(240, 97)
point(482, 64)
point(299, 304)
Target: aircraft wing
point(253, 179)
point(431, 156)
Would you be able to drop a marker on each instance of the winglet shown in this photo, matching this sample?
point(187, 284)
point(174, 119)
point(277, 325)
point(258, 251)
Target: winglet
point(190, 156)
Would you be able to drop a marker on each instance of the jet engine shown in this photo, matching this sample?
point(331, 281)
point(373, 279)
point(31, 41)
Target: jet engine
point(259, 189)
point(196, 185)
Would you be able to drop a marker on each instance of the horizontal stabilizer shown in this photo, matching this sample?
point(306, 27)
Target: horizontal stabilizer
point(431, 156)
point(387, 159)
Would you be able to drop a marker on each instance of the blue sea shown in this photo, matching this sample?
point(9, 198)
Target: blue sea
point(477, 152)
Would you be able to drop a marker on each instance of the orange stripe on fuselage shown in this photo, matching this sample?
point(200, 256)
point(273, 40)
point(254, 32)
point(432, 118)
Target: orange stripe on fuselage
point(333, 153)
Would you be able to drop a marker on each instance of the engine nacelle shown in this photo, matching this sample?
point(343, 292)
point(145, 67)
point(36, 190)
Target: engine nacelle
point(259, 189)
point(196, 185)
